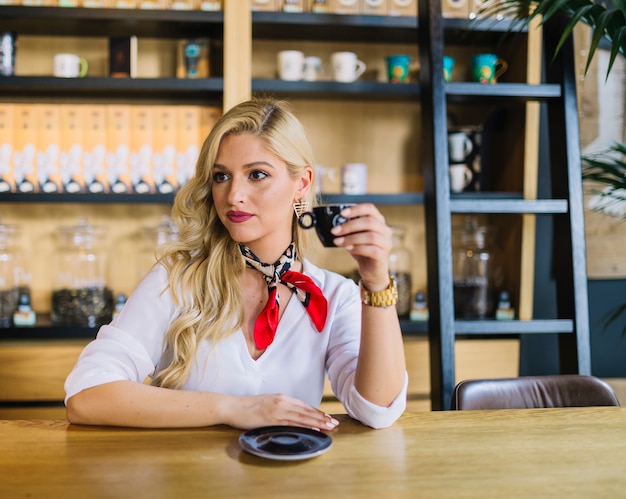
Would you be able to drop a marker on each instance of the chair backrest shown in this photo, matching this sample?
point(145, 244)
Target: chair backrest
point(569, 390)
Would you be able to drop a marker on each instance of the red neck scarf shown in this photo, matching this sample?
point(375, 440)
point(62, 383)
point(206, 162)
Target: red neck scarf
point(306, 290)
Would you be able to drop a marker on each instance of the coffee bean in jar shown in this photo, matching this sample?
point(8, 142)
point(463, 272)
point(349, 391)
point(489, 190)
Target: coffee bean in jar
point(80, 296)
point(90, 307)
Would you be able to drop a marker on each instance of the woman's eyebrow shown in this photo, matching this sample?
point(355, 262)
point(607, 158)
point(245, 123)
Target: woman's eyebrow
point(247, 166)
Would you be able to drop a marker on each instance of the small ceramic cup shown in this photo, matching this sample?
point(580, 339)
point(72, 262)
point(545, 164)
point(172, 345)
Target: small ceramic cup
point(487, 68)
point(324, 218)
point(346, 66)
point(398, 68)
point(448, 67)
point(460, 177)
point(290, 65)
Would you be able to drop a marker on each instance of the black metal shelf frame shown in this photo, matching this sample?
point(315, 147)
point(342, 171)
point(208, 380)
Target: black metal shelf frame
point(559, 93)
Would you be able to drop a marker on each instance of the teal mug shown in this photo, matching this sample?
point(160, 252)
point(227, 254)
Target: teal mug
point(487, 68)
point(448, 67)
point(398, 68)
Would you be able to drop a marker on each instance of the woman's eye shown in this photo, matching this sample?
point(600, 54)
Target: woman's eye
point(258, 175)
point(219, 177)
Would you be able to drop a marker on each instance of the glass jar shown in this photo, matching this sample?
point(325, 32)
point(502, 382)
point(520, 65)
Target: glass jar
point(9, 271)
point(400, 267)
point(476, 270)
point(80, 296)
point(154, 236)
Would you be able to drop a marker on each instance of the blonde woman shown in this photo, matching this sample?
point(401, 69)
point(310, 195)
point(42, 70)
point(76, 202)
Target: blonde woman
point(233, 325)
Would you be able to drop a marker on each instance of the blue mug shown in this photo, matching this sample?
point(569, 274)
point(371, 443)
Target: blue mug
point(448, 67)
point(487, 68)
point(398, 68)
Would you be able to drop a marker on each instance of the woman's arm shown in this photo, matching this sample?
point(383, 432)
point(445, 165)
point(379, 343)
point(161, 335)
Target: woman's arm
point(381, 369)
point(129, 403)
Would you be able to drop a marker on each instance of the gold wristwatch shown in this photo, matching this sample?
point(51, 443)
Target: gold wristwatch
point(385, 298)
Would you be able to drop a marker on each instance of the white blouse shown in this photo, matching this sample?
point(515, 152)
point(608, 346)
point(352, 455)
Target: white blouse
point(131, 348)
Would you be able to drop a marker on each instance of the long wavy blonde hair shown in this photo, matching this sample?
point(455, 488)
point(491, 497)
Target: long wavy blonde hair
point(205, 264)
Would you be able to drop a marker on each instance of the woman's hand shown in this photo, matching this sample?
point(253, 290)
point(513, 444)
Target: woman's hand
point(277, 409)
point(367, 237)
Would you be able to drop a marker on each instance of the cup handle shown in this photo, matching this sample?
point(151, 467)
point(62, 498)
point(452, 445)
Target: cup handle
point(501, 67)
point(306, 220)
point(83, 67)
point(468, 176)
point(360, 68)
point(468, 146)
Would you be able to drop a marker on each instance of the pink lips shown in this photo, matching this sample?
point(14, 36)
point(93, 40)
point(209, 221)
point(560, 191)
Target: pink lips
point(238, 216)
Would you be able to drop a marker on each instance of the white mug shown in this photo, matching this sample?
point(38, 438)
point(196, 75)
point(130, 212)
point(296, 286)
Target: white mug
point(346, 66)
point(312, 68)
point(460, 146)
point(290, 65)
point(460, 177)
point(69, 66)
point(354, 178)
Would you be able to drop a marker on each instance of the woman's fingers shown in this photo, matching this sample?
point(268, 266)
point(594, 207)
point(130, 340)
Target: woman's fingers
point(367, 237)
point(280, 409)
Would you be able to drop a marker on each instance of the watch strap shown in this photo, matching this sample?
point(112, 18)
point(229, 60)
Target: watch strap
point(385, 298)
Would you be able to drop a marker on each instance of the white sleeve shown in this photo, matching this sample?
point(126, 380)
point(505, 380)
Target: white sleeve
point(342, 359)
point(131, 346)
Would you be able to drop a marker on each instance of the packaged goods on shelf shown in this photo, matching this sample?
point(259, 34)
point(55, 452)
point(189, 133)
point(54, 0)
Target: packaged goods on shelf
point(164, 149)
point(203, 67)
point(320, 6)
point(265, 5)
point(187, 141)
point(123, 57)
point(47, 156)
point(183, 5)
point(293, 5)
point(93, 165)
point(208, 117)
point(374, 7)
point(100, 148)
point(6, 147)
point(455, 8)
point(402, 7)
point(210, 5)
point(95, 4)
point(71, 143)
point(141, 153)
point(124, 4)
point(118, 148)
point(344, 6)
point(25, 148)
point(154, 4)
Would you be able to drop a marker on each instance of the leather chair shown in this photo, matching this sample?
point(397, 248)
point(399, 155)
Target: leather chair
point(533, 392)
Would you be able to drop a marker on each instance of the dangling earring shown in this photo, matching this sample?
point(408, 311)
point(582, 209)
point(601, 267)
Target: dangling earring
point(300, 206)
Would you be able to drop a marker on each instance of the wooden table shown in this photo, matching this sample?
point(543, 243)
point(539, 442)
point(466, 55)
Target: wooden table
point(521, 453)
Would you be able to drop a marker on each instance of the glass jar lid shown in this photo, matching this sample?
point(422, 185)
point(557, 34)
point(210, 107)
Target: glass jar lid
point(81, 235)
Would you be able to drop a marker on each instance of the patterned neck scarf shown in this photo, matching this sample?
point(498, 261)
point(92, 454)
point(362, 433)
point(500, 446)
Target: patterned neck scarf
point(306, 290)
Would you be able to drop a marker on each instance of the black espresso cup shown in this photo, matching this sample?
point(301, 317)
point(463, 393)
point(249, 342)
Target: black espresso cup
point(324, 218)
